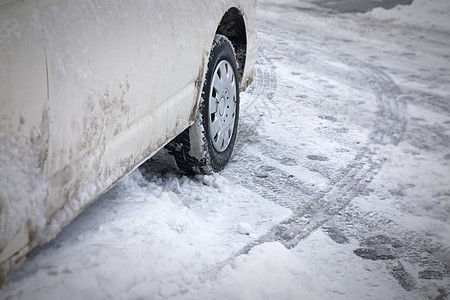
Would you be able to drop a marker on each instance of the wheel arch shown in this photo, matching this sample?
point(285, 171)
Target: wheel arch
point(232, 25)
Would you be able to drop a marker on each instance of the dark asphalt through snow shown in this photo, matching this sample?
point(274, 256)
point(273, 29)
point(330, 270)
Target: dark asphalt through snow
point(360, 6)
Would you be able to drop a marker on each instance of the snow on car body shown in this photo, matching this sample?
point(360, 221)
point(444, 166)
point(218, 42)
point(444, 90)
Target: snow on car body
point(89, 90)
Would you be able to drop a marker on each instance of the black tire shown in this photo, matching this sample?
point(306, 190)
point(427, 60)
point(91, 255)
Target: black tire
point(197, 150)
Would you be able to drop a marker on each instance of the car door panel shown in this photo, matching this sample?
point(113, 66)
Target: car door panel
point(111, 78)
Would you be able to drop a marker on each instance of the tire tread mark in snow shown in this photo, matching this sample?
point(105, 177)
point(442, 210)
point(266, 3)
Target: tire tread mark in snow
point(389, 128)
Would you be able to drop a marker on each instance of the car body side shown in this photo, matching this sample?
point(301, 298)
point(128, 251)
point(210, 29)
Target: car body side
point(91, 89)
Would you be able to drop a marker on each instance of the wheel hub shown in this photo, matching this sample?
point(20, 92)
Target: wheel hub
point(222, 106)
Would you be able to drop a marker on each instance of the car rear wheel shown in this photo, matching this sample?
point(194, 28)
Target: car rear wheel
point(207, 145)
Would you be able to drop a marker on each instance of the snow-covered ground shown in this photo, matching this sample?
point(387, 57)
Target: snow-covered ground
point(338, 188)
point(428, 14)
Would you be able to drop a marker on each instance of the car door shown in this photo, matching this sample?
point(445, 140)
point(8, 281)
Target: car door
point(121, 83)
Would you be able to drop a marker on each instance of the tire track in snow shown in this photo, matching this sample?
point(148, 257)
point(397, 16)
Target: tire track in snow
point(415, 261)
point(270, 181)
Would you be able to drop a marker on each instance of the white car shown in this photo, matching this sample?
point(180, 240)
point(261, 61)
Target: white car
point(91, 89)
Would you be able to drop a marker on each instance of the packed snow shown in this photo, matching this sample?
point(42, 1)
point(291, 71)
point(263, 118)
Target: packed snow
point(161, 235)
point(182, 228)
